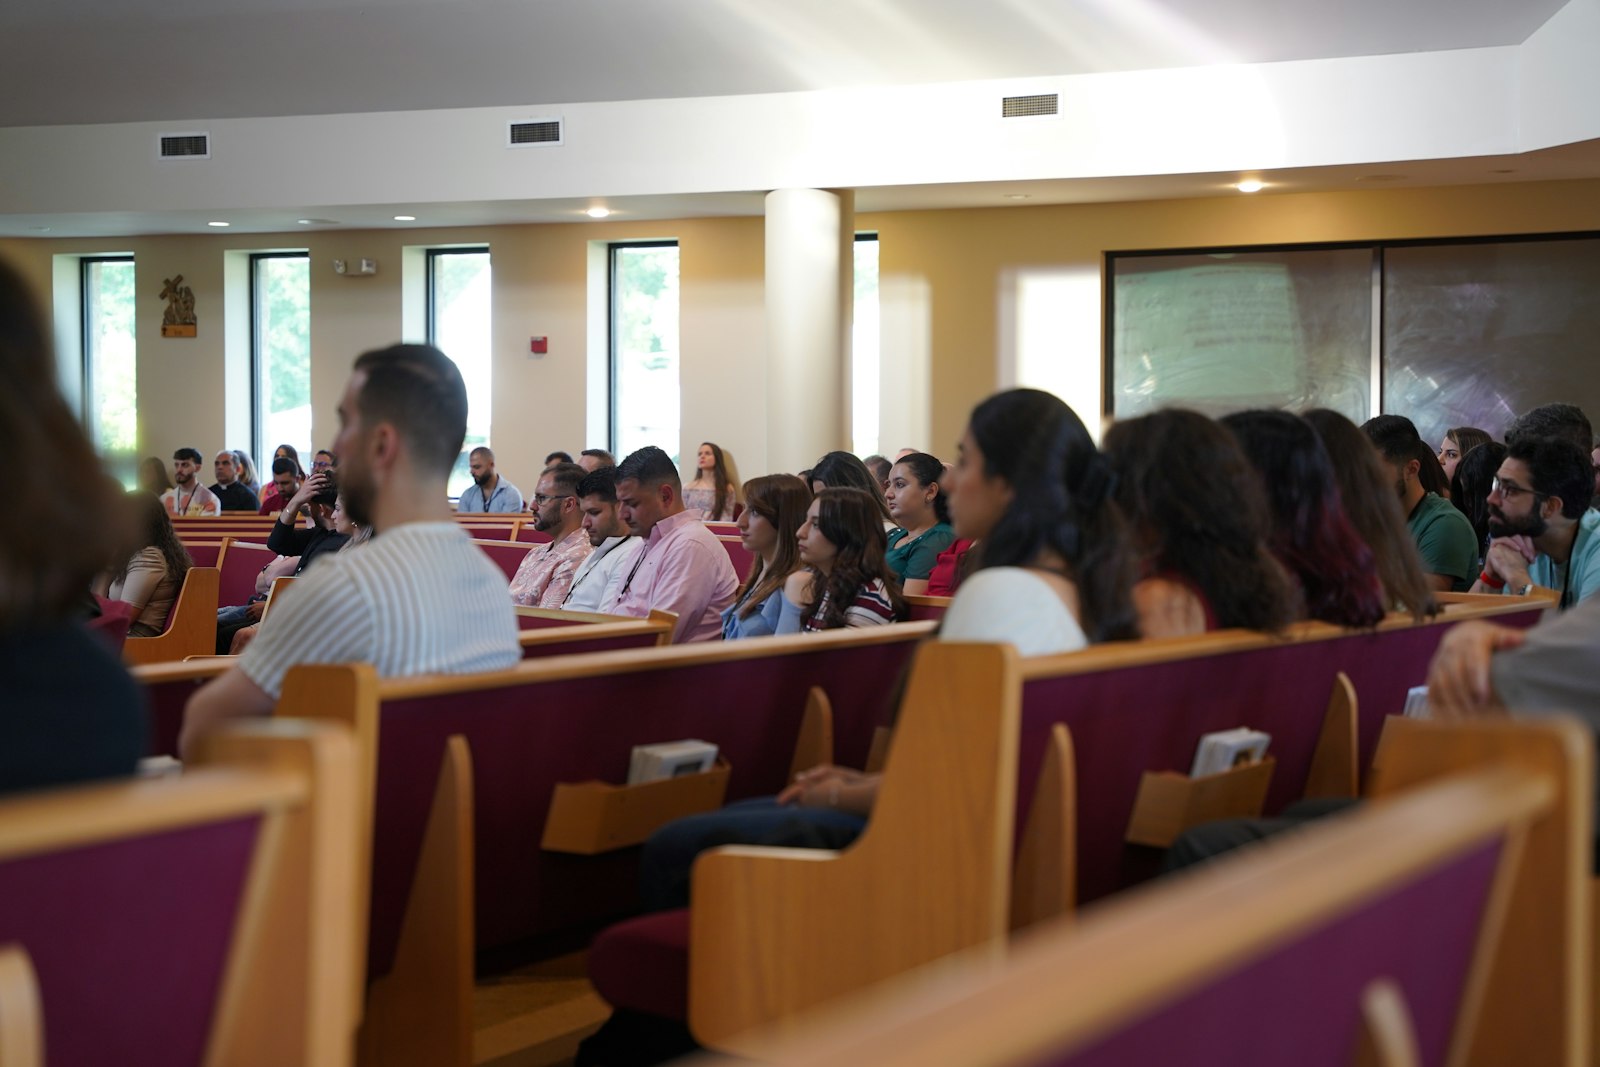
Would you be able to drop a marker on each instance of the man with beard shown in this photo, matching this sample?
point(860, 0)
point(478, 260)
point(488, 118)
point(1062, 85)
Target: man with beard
point(1444, 536)
point(418, 599)
point(490, 492)
point(188, 496)
point(1541, 525)
point(600, 576)
point(547, 571)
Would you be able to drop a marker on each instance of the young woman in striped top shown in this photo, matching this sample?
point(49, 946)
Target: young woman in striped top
point(848, 583)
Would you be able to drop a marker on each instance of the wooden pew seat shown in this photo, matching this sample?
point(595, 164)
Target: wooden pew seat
point(191, 625)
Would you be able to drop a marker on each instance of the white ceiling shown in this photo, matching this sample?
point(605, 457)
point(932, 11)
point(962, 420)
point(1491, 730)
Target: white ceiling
point(68, 62)
point(95, 61)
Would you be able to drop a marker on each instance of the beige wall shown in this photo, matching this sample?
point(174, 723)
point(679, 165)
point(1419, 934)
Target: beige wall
point(947, 270)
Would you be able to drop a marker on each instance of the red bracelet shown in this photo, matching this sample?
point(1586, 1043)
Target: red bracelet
point(1491, 581)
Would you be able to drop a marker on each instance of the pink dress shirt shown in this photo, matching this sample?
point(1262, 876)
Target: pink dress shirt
point(547, 571)
point(682, 569)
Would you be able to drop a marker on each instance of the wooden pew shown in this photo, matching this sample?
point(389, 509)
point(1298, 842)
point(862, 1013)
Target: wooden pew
point(194, 920)
point(191, 625)
point(1366, 939)
point(239, 563)
point(740, 556)
point(1108, 715)
point(924, 608)
point(507, 555)
point(455, 834)
point(168, 686)
point(529, 535)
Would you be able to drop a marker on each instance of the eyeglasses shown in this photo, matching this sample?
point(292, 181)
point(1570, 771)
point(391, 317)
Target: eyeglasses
point(321, 465)
point(1511, 490)
point(541, 501)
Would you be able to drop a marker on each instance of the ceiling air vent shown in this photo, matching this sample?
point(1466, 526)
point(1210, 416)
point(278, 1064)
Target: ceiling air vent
point(186, 146)
point(1019, 107)
point(533, 132)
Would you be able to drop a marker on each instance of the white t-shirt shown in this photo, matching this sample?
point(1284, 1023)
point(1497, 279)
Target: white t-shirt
point(600, 576)
point(417, 599)
point(1014, 605)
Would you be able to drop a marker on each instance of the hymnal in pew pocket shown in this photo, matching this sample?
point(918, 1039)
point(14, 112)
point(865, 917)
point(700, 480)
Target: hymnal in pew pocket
point(670, 759)
point(1228, 748)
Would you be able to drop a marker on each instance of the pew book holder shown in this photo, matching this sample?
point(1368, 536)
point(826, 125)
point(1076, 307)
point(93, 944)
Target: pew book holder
point(588, 818)
point(1169, 803)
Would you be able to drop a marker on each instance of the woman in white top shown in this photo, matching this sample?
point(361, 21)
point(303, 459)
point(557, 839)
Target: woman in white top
point(153, 568)
point(710, 493)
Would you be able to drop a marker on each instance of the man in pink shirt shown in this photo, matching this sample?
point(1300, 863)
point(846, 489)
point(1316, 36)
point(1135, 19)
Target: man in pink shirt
point(682, 568)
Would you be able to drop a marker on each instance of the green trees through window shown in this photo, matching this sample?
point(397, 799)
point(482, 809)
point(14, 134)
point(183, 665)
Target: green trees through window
point(110, 363)
point(281, 353)
point(645, 408)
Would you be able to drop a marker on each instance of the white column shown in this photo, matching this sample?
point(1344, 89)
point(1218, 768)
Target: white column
point(810, 283)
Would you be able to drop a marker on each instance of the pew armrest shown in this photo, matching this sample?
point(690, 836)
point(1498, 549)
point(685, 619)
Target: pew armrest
point(21, 1020)
point(193, 629)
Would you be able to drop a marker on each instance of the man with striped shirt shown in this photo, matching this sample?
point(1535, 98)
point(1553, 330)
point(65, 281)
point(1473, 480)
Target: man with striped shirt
point(419, 598)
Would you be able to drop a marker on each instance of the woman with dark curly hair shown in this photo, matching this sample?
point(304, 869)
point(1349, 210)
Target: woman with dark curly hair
point(847, 583)
point(1471, 485)
point(1200, 527)
point(1311, 534)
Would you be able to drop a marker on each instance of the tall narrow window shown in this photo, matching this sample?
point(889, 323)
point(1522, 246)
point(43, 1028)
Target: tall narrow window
point(280, 354)
point(644, 347)
point(459, 325)
point(110, 386)
point(864, 360)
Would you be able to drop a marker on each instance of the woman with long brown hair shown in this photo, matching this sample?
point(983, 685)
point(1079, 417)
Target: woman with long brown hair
point(775, 507)
point(710, 491)
point(150, 568)
point(849, 583)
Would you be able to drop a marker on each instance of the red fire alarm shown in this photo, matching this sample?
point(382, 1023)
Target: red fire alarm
point(538, 345)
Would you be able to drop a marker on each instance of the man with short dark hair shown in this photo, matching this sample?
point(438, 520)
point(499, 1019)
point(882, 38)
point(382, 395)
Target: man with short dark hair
point(600, 576)
point(419, 599)
point(285, 484)
point(879, 467)
point(682, 568)
point(1543, 529)
point(592, 459)
point(187, 496)
point(229, 491)
point(1444, 535)
point(490, 492)
point(324, 461)
point(547, 571)
point(1554, 420)
point(557, 457)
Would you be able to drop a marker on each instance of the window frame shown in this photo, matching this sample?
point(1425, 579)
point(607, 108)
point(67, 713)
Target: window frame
point(258, 443)
point(611, 326)
point(86, 335)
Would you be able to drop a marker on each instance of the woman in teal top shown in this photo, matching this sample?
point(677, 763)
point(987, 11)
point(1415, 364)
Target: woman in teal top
point(917, 504)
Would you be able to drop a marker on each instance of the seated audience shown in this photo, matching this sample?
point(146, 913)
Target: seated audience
point(592, 459)
point(72, 714)
point(1364, 483)
point(153, 565)
point(1458, 441)
point(420, 599)
point(1443, 535)
point(557, 457)
point(288, 452)
point(491, 493)
point(769, 525)
point(187, 496)
point(285, 484)
point(841, 470)
point(1311, 535)
point(1199, 526)
point(599, 577)
point(229, 491)
point(951, 566)
point(1541, 526)
point(710, 492)
point(682, 568)
point(246, 469)
point(545, 575)
point(847, 581)
point(878, 466)
point(153, 476)
point(1470, 487)
point(1554, 420)
point(918, 506)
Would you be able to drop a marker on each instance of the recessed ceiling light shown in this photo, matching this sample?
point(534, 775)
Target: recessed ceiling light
point(598, 212)
point(318, 222)
point(405, 218)
point(39, 229)
point(1251, 185)
point(219, 225)
point(1019, 196)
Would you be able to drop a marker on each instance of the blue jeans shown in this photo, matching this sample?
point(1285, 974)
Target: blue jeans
point(671, 850)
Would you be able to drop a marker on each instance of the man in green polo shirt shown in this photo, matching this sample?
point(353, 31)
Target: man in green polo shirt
point(1444, 536)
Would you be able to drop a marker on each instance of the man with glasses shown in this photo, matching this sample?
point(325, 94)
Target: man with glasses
point(547, 571)
point(1543, 531)
point(324, 461)
point(489, 492)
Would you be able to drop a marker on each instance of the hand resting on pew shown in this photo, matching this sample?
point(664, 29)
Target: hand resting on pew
point(1459, 684)
point(831, 786)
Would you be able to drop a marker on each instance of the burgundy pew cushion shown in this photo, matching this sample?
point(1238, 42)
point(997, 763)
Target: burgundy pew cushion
point(643, 964)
